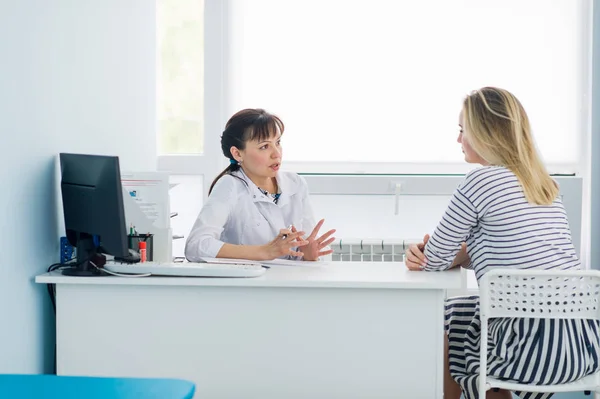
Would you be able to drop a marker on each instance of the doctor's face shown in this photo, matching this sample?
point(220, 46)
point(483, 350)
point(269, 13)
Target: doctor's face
point(263, 158)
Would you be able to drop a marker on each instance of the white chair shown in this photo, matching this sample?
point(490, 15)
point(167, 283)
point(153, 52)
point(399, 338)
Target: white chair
point(541, 294)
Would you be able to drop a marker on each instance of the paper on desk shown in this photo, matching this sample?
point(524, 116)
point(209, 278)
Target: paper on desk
point(230, 261)
point(274, 262)
point(147, 210)
point(289, 262)
point(146, 200)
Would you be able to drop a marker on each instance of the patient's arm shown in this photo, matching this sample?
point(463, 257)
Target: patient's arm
point(462, 257)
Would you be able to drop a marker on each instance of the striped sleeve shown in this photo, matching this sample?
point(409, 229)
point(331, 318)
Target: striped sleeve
point(454, 228)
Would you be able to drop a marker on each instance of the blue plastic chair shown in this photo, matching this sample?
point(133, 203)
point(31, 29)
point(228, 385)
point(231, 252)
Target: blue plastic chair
point(25, 386)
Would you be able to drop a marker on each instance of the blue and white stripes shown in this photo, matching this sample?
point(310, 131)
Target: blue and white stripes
point(490, 213)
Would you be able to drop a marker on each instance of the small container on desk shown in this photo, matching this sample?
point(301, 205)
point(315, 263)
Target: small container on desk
point(148, 239)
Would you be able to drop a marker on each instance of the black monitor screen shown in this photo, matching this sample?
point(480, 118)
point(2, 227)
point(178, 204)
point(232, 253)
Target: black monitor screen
point(93, 208)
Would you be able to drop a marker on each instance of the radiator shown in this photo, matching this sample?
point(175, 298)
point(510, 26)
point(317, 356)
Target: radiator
point(389, 250)
point(370, 250)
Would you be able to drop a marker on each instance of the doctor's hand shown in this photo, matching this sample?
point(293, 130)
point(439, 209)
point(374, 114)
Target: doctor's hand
point(314, 246)
point(284, 244)
point(414, 257)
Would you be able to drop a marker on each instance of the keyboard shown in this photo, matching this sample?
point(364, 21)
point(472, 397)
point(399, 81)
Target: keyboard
point(188, 269)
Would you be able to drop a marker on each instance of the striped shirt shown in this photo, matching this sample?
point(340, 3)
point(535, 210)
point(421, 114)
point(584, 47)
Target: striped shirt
point(490, 213)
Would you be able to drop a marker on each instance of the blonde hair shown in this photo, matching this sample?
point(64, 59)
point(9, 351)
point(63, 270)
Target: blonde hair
point(497, 128)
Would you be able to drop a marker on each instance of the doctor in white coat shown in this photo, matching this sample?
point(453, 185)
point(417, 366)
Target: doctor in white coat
point(254, 210)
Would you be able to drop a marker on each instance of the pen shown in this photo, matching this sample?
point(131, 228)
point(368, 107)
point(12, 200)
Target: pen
point(283, 237)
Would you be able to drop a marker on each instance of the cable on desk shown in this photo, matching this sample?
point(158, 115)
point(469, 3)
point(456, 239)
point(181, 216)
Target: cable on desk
point(119, 274)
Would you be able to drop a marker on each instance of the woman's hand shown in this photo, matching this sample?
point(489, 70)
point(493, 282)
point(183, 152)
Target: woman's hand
point(414, 257)
point(415, 260)
point(313, 248)
point(283, 244)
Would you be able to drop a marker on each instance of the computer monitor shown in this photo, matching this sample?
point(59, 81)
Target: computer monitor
point(93, 208)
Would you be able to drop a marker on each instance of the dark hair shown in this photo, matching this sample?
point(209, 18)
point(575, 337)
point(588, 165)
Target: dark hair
point(246, 125)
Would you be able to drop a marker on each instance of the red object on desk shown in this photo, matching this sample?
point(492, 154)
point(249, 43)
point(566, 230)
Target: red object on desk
point(143, 256)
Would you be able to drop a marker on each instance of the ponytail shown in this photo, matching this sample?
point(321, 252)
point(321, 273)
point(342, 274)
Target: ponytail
point(247, 124)
point(228, 170)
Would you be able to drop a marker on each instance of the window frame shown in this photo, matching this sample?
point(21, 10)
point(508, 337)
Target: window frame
point(571, 192)
point(211, 163)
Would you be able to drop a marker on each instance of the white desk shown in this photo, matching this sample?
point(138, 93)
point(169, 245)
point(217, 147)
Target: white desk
point(342, 330)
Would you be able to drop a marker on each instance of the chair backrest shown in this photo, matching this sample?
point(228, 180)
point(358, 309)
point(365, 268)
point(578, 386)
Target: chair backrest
point(548, 294)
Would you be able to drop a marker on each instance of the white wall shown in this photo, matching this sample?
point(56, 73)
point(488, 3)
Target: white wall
point(364, 216)
point(372, 216)
point(75, 76)
point(353, 216)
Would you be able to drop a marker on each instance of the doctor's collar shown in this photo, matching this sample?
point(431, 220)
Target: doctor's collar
point(285, 185)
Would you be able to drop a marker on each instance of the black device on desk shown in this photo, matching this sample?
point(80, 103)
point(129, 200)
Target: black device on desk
point(93, 208)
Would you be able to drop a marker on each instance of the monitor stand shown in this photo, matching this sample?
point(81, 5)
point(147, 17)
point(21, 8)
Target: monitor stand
point(86, 251)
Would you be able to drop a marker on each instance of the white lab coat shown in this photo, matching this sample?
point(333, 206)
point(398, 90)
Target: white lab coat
point(236, 212)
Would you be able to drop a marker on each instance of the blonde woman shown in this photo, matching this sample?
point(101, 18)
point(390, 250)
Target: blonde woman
point(505, 214)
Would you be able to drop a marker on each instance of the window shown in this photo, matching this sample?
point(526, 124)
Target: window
point(368, 87)
point(180, 70)
point(377, 86)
